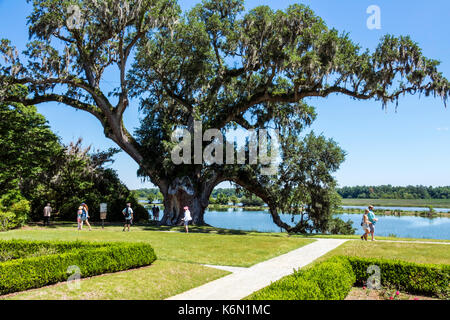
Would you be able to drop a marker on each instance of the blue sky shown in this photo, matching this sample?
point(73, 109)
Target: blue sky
point(407, 146)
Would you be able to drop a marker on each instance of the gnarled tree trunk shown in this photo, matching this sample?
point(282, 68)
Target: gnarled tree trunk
point(180, 193)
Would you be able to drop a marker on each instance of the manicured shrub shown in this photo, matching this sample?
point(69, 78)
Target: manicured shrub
point(290, 288)
point(333, 279)
point(6, 220)
point(92, 259)
point(328, 280)
point(14, 210)
point(425, 279)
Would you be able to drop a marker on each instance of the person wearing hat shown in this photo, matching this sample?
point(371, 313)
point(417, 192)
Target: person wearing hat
point(187, 218)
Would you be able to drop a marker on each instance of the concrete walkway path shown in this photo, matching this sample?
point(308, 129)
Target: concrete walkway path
point(244, 281)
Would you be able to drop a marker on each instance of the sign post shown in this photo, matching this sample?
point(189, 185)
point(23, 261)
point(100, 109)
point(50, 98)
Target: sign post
point(103, 211)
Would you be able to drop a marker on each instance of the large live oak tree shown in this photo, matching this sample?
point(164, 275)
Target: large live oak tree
point(219, 65)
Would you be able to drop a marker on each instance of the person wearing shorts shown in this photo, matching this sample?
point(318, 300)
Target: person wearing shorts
point(365, 225)
point(128, 215)
point(79, 213)
point(83, 216)
point(372, 221)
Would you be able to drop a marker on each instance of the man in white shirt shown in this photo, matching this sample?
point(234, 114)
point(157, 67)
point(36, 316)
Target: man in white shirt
point(47, 213)
point(128, 214)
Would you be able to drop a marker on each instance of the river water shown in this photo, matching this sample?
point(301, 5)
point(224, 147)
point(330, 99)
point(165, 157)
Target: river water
point(402, 227)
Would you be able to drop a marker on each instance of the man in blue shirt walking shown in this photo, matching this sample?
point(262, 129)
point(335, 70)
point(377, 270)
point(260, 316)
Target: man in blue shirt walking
point(372, 221)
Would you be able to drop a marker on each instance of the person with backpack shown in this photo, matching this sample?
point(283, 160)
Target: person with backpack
point(187, 218)
point(128, 214)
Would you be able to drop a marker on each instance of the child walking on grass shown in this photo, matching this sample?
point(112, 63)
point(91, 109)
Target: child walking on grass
point(187, 218)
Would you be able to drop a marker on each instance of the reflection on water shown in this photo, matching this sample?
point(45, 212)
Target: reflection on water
point(404, 226)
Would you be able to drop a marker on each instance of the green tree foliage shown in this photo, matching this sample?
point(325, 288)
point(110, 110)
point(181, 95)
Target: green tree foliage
point(27, 149)
point(151, 194)
point(14, 210)
point(252, 201)
point(223, 66)
point(394, 192)
point(80, 176)
point(222, 199)
point(36, 169)
point(234, 199)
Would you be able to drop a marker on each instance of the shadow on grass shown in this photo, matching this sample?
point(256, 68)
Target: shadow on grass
point(154, 226)
point(207, 229)
point(196, 229)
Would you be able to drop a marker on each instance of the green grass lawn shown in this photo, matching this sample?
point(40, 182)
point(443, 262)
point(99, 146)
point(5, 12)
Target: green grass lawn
point(159, 281)
point(204, 247)
point(437, 203)
point(179, 257)
point(413, 252)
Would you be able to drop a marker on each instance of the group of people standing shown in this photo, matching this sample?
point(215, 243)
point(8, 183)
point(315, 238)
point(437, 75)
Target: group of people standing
point(368, 223)
point(155, 212)
point(83, 216)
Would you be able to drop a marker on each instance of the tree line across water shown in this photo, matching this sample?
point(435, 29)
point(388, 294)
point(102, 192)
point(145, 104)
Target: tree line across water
point(225, 196)
point(394, 192)
point(221, 196)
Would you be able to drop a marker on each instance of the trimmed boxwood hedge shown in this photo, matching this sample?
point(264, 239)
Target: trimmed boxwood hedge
point(328, 280)
point(333, 279)
point(425, 279)
point(92, 258)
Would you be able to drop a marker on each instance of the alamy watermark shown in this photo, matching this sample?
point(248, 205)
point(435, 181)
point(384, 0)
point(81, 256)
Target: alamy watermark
point(74, 282)
point(262, 147)
point(374, 20)
point(374, 281)
point(75, 19)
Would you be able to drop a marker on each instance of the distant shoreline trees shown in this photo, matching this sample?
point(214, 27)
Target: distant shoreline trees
point(354, 192)
point(394, 192)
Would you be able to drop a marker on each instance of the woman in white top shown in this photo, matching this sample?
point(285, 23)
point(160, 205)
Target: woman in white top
point(365, 225)
point(187, 218)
